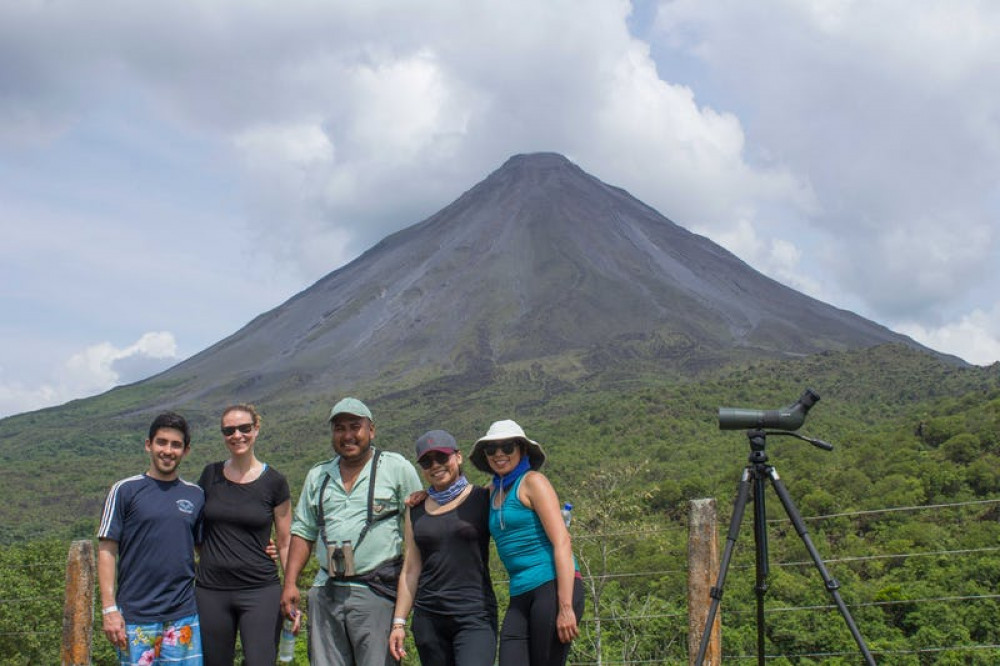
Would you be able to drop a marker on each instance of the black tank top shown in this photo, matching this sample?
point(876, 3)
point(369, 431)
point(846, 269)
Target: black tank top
point(454, 551)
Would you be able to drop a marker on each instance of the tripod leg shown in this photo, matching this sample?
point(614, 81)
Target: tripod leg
point(832, 585)
point(760, 555)
point(734, 531)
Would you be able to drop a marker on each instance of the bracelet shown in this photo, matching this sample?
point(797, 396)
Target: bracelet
point(107, 610)
point(398, 626)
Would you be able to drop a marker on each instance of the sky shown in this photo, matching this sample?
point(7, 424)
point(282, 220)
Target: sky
point(170, 170)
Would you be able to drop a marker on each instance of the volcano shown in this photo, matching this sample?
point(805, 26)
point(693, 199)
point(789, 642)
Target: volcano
point(539, 260)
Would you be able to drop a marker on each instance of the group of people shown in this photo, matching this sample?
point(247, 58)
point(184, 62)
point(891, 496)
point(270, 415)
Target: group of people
point(356, 512)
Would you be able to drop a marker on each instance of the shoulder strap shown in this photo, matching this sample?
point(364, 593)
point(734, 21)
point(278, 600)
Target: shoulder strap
point(320, 514)
point(369, 519)
point(371, 502)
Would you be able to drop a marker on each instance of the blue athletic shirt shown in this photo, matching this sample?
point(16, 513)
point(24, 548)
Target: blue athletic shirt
point(522, 544)
point(156, 525)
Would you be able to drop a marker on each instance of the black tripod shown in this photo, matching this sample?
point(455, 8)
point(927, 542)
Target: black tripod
point(754, 476)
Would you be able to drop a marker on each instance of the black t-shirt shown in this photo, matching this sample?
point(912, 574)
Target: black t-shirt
point(455, 553)
point(237, 527)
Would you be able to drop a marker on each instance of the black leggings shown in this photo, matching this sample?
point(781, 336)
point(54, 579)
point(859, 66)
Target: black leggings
point(455, 640)
point(256, 613)
point(528, 636)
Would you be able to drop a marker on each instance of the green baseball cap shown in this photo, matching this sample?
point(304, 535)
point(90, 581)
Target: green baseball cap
point(351, 406)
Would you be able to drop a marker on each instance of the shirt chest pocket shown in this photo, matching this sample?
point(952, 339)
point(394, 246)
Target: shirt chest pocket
point(383, 504)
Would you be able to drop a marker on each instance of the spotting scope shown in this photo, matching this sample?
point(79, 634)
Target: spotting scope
point(785, 418)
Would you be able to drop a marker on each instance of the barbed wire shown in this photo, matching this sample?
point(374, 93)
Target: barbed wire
point(791, 609)
point(797, 563)
point(893, 509)
point(950, 648)
point(21, 600)
point(630, 618)
point(848, 514)
point(845, 653)
point(612, 663)
point(639, 531)
point(956, 648)
point(33, 565)
point(890, 556)
point(861, 604)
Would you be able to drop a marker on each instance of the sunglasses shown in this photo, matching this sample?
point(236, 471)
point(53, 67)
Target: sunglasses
point(434, 458)
point(507, 447)
point(229, 431)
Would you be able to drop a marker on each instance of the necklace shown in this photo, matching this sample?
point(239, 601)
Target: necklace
point(502, 496)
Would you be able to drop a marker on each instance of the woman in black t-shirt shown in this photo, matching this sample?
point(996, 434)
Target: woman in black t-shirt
point(238, 588)
point(446, 574)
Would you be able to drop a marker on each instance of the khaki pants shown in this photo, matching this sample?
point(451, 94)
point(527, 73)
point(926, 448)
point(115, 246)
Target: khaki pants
point(349, 626)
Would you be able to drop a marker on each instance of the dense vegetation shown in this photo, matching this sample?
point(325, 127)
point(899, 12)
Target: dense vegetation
point(630, 447)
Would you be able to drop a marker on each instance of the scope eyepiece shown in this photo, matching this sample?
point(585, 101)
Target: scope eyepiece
point(785, 418)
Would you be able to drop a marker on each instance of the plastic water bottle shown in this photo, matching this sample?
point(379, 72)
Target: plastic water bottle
point(286, 645)
point(567, 513)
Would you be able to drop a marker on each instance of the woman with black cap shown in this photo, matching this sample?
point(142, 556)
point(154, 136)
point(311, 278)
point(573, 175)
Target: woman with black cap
point(546, 593)
point(446, 573)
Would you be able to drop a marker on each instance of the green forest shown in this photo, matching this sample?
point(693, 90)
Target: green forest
point(905, 510)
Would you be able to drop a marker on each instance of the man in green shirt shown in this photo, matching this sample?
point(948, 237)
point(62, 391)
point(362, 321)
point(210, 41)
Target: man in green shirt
point(357, 530)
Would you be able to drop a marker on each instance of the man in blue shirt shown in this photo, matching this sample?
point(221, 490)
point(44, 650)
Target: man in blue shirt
point(150, 525)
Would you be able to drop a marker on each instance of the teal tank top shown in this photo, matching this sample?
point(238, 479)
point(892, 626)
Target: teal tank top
point(522, 544)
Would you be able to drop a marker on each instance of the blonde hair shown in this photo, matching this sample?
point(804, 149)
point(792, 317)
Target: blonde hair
point(243, 407)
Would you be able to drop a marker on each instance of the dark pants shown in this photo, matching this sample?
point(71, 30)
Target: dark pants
point(255, 613)
point(455, 640)
point(528, 636)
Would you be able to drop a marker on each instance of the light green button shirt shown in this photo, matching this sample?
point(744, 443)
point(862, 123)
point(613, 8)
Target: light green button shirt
point(345, 513)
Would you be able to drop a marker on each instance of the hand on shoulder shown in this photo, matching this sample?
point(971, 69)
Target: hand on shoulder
point(415, 498)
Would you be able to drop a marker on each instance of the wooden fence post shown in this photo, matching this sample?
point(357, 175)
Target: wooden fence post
point(703, 569)
point(78, 609)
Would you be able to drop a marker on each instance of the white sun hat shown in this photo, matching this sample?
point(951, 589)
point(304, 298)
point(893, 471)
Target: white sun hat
point(503, 430)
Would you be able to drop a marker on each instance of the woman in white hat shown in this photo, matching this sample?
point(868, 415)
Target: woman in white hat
point(446, 572)
point(546, 593)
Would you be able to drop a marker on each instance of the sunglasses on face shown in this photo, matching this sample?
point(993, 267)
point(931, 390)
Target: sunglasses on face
point(507, 447)
point(229, 431)
point(434, 458)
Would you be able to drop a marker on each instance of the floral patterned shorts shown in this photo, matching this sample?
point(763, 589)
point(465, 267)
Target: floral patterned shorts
point(156, 643)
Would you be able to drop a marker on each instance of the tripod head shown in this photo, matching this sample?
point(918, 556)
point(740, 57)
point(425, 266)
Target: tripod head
point(785, 418)
point(757, 438)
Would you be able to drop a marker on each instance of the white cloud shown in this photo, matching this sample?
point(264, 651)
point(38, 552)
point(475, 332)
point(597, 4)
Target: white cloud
point(305, 147)
point(334, 106)
point(975, 337)
point(888, 111)
point(684, 159)
point(94, 370)
point(776, 258)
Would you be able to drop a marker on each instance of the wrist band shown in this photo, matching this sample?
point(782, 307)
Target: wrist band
point(399, 621)
point(107, 610)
